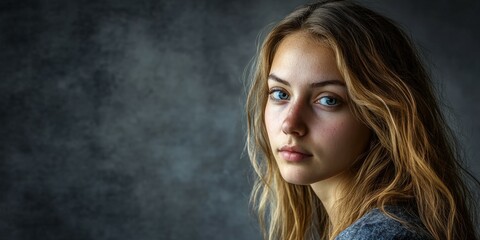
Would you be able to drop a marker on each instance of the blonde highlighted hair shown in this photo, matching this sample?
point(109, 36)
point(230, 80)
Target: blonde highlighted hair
point(412, 158)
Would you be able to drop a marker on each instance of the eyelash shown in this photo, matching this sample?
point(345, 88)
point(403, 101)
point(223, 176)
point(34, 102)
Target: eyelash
point(337, 101)
point(281, 91)
point(273, 91)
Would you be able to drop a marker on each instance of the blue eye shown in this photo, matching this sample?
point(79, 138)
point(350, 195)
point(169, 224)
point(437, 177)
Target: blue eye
point(328, 101)
point(279, 95)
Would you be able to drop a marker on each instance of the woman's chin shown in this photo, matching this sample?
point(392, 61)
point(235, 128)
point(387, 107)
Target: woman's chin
point(299, 177)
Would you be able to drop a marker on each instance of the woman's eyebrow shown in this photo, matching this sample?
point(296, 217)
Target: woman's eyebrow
point(328, 82)
point(273, 77)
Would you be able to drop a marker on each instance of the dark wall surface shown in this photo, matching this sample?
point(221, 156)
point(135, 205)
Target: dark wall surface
point(124, 119)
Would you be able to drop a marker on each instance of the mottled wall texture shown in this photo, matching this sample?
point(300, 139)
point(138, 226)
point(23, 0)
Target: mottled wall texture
point(123, 119)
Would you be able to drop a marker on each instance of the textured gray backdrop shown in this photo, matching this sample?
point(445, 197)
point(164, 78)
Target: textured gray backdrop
point(124, 119)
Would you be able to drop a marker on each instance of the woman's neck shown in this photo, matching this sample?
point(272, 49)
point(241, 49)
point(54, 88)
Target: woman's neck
point(328, 192)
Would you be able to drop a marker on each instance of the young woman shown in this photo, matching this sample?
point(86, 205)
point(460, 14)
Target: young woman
point(346, 136)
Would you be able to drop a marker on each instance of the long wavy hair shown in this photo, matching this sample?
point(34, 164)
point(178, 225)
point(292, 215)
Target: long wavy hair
point(412, 158)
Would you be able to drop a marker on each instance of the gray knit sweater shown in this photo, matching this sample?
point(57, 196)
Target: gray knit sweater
point(375, 225)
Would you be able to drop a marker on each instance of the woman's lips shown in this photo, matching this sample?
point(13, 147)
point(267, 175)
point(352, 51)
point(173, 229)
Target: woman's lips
point(293, 154)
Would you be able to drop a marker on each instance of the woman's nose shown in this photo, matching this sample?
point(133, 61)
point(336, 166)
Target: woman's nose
point(294, 122)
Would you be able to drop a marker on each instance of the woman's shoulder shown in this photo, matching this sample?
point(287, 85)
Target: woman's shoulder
point(377, 225)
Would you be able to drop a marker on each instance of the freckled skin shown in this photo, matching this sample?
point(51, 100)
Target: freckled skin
point(332, 136)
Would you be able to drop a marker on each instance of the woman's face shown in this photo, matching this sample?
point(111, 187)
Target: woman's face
point(312, 132)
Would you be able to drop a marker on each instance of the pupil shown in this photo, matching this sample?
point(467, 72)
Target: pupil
point(330, 101)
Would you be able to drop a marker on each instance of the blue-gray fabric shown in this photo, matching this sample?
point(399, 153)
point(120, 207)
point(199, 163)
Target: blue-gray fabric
point(377, 225)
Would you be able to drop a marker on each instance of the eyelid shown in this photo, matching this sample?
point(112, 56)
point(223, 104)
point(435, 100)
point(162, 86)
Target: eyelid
point(339, 99)
point(272, 89)
point(276, 89)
